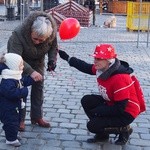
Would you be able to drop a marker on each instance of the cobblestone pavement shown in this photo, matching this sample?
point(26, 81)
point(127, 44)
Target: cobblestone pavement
point(64, 89)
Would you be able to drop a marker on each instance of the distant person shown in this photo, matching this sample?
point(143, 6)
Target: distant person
point(33, 40)
point(18, 9)
point(22, 11)
point(13, 93)
point(90, 4)
point(48, 4)
point(110, 22)
point(120, 99)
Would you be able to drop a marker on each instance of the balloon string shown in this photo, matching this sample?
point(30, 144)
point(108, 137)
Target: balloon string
point(55, 74)
point(51, 71)
point(72, 81)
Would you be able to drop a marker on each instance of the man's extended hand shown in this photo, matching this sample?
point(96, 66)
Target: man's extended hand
point(63, 55)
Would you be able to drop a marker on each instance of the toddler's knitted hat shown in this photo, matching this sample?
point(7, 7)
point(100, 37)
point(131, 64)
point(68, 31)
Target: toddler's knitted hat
point(13, 61)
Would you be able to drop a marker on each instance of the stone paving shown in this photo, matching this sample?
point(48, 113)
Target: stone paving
point(65, 87)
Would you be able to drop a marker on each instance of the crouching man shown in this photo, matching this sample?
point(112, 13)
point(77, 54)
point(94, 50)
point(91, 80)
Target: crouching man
point(120, 98)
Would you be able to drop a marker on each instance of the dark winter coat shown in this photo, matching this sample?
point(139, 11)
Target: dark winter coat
point(21, 43)
point(10, 91)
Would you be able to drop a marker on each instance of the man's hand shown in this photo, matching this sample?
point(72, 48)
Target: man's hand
point(63, 55)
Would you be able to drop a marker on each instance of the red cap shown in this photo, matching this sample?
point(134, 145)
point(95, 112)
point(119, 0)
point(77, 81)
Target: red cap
point(104, 51)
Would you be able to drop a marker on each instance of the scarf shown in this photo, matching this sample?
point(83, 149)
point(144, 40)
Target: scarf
point(11, 74)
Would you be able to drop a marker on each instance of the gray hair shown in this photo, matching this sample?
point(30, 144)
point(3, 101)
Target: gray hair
point(42, 26)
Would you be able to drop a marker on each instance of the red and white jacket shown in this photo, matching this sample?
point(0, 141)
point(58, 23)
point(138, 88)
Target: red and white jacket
point(117, 87)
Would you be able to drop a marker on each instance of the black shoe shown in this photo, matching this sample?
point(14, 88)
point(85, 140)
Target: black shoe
point(98, 138)
point(124, 136)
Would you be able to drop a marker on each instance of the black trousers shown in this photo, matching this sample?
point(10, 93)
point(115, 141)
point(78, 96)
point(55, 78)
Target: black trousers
point(97, 124)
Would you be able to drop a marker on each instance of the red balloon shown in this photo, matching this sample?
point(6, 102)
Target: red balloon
point(69, 28)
